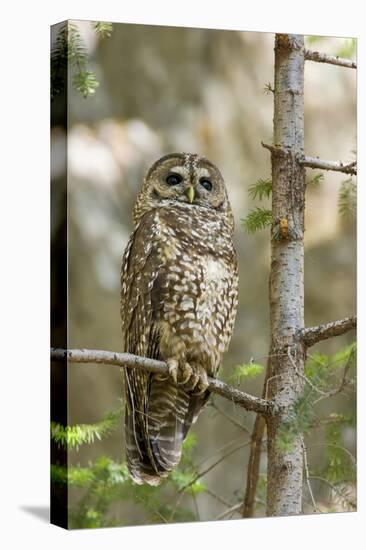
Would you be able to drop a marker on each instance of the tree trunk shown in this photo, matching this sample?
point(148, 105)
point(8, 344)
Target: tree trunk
point(285, 384)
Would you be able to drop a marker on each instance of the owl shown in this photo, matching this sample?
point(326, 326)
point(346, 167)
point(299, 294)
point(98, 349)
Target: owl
point(179, 296)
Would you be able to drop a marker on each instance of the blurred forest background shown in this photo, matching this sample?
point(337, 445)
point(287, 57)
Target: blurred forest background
point(149, 91)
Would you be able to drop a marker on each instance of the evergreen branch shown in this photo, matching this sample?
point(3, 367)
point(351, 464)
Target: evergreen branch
point(316, 180)
point(258, 218)
point(76, 49)
point(72, 476)
point(71, 437)
point(85, 83)
point(70, 49)
point(313, 335)
point(332, 59)
point(347, 200)
point(127, 360)
point(103, 29)
point(314, 162)
point(261, 188)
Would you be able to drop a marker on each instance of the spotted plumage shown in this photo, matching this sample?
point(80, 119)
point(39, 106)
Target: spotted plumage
point(179, 287)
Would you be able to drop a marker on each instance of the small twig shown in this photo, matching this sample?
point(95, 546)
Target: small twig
point(272, 148)
point(343, 383)
point(230, 418)
point(195, 505)
point(268, 88)
point(255, 455)
point(212, 466)
point(236, 508)
point(306, 468)
point(253, 466)
point(245, 400)
point(217, 497)
point(315, 162)
point(331, 59)
point(312, 335)
point(220, 450)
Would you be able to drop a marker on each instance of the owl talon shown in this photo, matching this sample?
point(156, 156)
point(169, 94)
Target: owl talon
point(186, 373)
point(202, 383)
point(173, 369)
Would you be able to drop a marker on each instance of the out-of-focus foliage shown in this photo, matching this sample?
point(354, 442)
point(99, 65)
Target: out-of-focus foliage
point(347, 201)
point(243, 372)
point(69, 51)
point(103, 29)
point(315, 180)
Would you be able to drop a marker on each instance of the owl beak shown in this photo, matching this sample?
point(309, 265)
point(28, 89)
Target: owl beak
point(190, 193)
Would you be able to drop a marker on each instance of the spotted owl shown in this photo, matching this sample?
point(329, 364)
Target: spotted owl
point(179, 295)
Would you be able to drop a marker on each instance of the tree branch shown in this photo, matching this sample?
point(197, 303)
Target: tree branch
point(314, 162)
point(245, 400)
point(332, 59)
point(313, 335)
point(253, 467)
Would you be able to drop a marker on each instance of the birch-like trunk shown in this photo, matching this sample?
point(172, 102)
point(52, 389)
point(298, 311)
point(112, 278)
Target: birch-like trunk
point(285, 463)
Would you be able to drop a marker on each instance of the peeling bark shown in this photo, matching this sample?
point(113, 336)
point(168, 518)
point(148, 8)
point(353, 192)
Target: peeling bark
point(285, 465)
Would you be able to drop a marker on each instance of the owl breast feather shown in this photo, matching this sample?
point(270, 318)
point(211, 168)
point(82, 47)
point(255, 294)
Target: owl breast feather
point(198, 264)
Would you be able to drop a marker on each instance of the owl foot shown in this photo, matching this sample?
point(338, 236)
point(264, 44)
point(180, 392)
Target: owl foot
point(181, 372)
point(198, 381)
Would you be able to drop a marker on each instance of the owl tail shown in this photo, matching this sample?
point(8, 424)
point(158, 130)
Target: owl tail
point(155, 448)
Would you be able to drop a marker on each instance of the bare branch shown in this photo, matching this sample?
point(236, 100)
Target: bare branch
point(315, 162)
point(331, 59)
point(273, 148)
point(245, 400)
point(313, 335)
point(253, 467)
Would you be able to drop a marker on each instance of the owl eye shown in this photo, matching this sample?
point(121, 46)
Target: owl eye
point(206, 184)
point(174, 179)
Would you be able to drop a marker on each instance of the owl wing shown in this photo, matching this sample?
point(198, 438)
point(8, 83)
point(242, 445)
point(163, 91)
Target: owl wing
point(140, 268)
point(155, 409)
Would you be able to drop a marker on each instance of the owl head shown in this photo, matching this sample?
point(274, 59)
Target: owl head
point(185, 179)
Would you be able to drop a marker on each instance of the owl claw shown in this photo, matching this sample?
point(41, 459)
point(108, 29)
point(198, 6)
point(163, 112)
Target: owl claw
point(186, 373)
point(173, 369)
point(192, 378)
point(202, 383)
